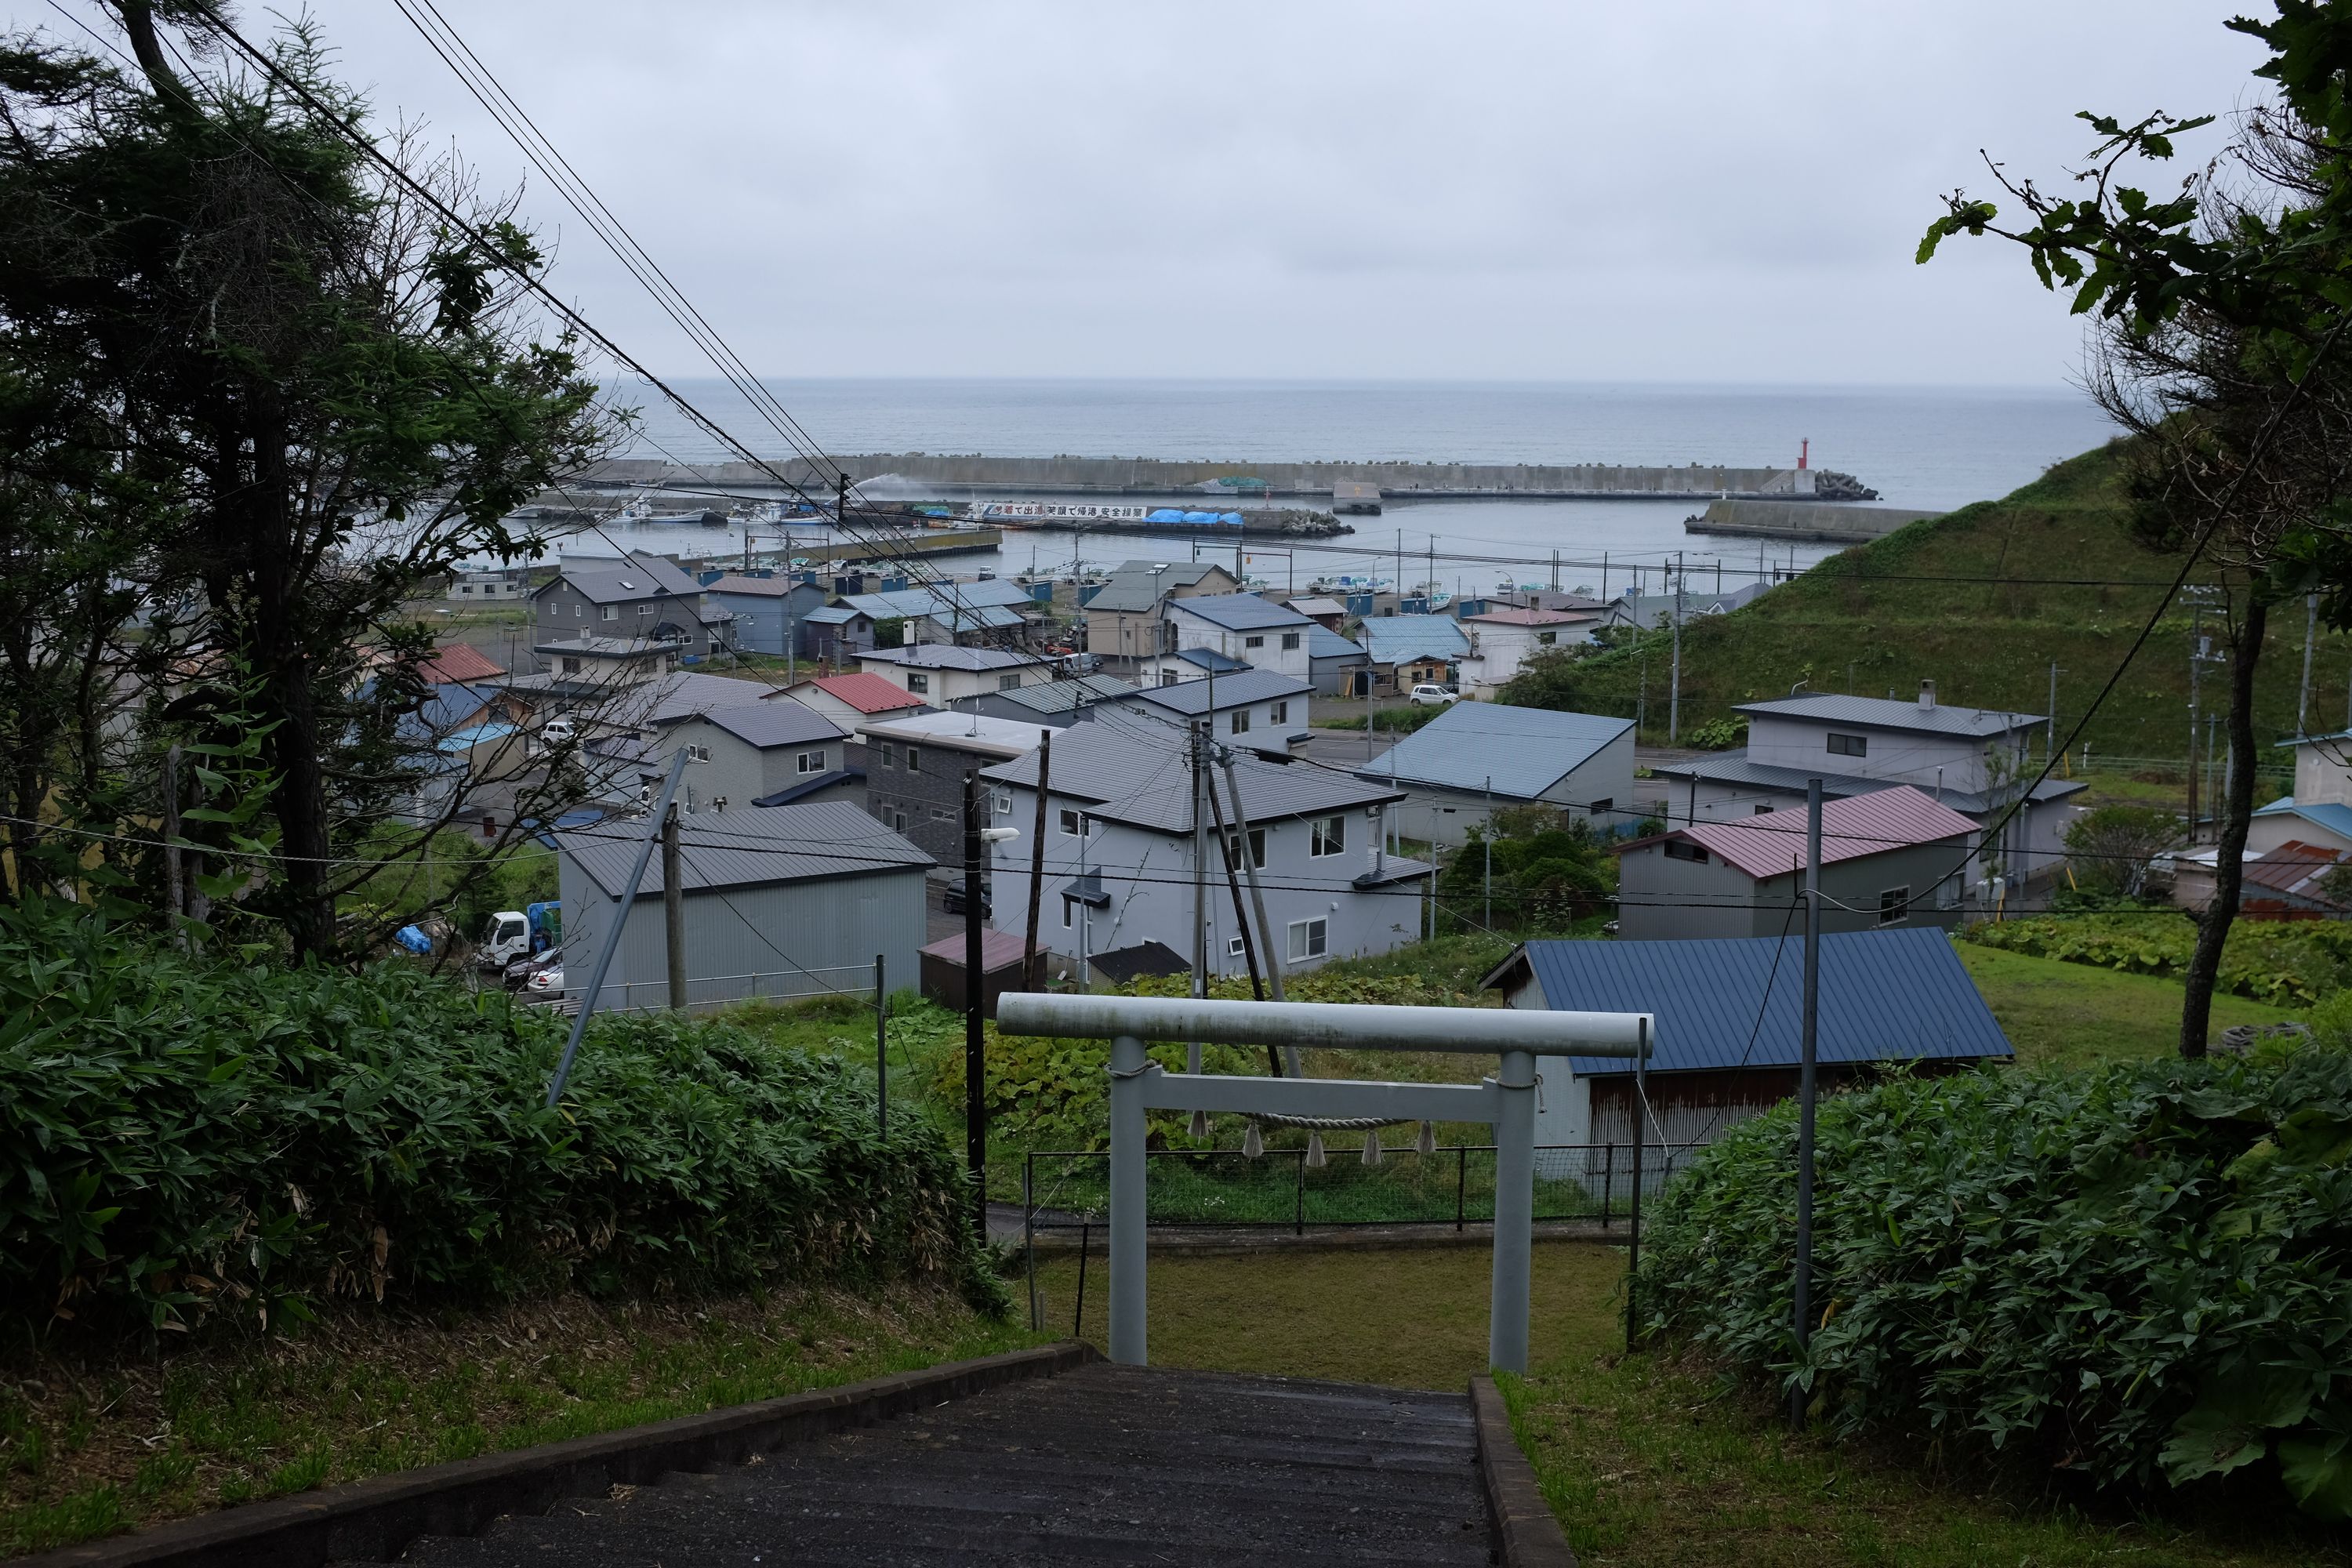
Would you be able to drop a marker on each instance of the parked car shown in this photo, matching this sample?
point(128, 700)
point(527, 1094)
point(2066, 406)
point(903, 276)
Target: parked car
point(522, 970)
point(1426, 694)
point(546, 982)
point(954, 902)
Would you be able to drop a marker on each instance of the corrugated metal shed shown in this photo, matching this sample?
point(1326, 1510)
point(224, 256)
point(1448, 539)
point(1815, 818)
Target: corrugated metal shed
point(1190, 698)
point(1325, 643)
point(1399, 639)
point(1772, 843)
point(948, 655)
point(864, 690)
point(748, 848)
point(1519, 752)
point(1068, 696)
point(641, 576)
point(1136, 773)
point(1879, 712)
point(949, 608)
point(1134, 588)
point(2328, 815)
point(1886, 995)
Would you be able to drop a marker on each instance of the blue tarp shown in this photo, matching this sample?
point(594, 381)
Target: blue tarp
point(1165, 514)
point(413, 940)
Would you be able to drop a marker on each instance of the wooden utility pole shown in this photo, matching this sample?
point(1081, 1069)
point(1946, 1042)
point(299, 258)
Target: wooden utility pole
point(674, 907)
point(1037, 859)
point(1808, 1057)
point(1239, 850)
point(1675, 702)
point(975, 1053)
point(175, 899)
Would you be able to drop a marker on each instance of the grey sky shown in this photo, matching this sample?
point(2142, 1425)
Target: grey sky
point(1668, 189)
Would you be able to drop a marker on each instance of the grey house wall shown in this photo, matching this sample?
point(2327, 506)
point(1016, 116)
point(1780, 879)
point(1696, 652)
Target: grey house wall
point(559, 609)
point(1148, 877)
point(739, 769)
point(924, 803)
point(1329, 674)
point(763, 619)
point(831, 926)
point(1664, 899)
point(1261, 725)
point(1445, 816)
point(1899, 755)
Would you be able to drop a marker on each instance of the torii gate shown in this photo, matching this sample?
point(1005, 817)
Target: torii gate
point(1505, 1101)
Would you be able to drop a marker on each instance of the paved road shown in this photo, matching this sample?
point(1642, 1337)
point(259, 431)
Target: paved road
point(1102, 1465)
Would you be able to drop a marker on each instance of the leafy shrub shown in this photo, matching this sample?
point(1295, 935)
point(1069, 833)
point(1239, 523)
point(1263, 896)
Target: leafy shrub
point(1549, 871)
point(2288, 964)
point(2111, 847)
point(185, 1139)
point(2137, 1275)
point(1720, 735)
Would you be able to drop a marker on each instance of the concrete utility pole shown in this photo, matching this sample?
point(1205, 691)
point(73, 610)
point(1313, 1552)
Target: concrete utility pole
point(1037, 861)
point(1675, 705)
point(673, 908)
point(1199, 1126)
point(1807, 1087)
point(881, 1050)
point(1487, 841)
point(175, 899)
point(975, 1050)
point(2310, 636)
point(2050, 735)
point(2196, 662)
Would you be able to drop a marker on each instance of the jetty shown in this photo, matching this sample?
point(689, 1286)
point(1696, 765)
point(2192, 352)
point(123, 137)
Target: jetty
point(947, 477)
point(1807, 523)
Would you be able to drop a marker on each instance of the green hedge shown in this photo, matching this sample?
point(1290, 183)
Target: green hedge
point(185, 1139)
point(2288, 964)
point(2138, 1274)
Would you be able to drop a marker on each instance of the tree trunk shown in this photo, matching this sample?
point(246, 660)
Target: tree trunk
point(2236, 810)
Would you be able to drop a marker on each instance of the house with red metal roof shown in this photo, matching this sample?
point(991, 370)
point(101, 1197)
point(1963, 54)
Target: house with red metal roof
point(2291, 882)
point(1891, 857)
point(1502, 641)
point(458, 663)
point(851, 700)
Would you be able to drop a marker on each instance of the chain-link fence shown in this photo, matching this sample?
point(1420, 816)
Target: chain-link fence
point(1452, 1185)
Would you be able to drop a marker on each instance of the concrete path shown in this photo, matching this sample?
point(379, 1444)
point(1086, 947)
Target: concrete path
point(1101, 1464)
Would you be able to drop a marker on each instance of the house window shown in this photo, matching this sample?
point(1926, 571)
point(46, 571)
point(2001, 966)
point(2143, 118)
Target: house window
point(1603, 806)
point(1167, 678)
point(1069, 912)
point(570, 666)
point(914, 759)
point(1232, 947)
point(1252, 642)
point(1277, 713)
point(697, 753)
point(918, 683)
point(1009, 682)
point(1004, 802)
point(1893, 906)
point(898, 820)
point(1849, 745)
point(1073, 823)
point(611, 612)
point(1256, 849)
point(1330, 838)
point(1308, 939)
point(1548, 638)
point(577, 609)
point(810, 762)
point(889, 755)
point(644, 609)
point(1684, 849)
point(1240, 722)
point(1289, 642)
point(1948, 892)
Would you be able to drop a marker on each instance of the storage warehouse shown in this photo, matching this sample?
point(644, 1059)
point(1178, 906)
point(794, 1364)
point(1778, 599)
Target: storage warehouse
point(794, 900)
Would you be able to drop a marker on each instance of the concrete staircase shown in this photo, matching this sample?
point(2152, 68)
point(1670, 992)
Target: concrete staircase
point(1101, 1464)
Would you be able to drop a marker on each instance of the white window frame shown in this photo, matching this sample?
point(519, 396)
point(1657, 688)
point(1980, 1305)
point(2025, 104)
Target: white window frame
point(1004, 803)
point(1253, 642)
point(1073, 823)
point(1310, 938)
point(1234, 947)
point(611, 613)
point(1290, 642)
point(918, 683)
point(1256, 850)
point(1240, 722)
point(1278, 712)
point(1326, 835)
point(809, 763)
point(1841, 744)
point(697, 753)
point(1009, 682)
point(1895, 906)
point(914, 759)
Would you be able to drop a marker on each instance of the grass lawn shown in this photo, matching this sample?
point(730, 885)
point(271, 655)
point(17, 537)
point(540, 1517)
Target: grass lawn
point(90, 1448)
point(1647, 1460)
point(2077, 1015)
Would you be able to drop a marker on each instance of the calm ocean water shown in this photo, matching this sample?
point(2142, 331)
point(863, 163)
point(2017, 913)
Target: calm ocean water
point(1919, 446)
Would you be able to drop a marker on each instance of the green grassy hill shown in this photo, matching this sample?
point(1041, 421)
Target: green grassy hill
point(1887, 615)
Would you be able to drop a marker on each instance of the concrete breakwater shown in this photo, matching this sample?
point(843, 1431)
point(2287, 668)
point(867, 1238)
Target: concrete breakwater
point(1163, 477)
point(1812, 525)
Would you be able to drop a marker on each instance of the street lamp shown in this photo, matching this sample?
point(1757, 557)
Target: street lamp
point(975, 1061)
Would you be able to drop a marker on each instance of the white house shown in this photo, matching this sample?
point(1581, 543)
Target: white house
point(1973, 760)
point(1117, 857)
point(1502, 641)
point(1242, 625)
point(1255, 708)
point(1476, 758)
point(770, 752)
point(943, 675)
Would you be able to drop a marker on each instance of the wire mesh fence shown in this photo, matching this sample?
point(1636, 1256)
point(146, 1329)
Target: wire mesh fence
point(1453, 1186)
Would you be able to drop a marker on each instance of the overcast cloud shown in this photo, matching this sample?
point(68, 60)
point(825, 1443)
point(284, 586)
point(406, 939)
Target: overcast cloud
point(1670, 190)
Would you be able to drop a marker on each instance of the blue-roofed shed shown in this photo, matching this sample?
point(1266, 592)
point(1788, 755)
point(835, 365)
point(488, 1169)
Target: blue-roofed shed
point(1403, 639)
point(1727, 1018)
point(1476, 758)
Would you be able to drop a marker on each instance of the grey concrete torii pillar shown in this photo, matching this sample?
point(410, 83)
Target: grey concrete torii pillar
point(1506, 1101)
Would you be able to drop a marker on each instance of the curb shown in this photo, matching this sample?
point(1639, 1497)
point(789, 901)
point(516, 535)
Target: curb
point(374, 1519)
point(1525, 1533)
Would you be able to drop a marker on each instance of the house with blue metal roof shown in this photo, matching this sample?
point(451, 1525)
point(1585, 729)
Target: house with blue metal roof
point(1479, 758)
point(2320, 810)
point(1727, 1020)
